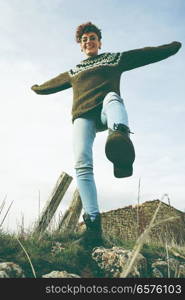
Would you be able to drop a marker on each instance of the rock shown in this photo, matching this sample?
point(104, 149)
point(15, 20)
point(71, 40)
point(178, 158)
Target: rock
point(60, 274)
point(11, 270)
point(113, 261)
point(156, 273)
point(172, 269)
point(181, 271)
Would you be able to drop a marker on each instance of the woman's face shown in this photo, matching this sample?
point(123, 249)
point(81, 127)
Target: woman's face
point(90, 44)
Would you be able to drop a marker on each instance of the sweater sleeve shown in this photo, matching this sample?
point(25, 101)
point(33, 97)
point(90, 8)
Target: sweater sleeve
point(140, 57)
point(54, 85)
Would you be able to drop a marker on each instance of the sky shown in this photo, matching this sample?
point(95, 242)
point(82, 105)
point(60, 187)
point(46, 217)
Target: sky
point(38, 43)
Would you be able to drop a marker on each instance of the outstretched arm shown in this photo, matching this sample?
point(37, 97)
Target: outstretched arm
point(54, 85)
point(140, 57)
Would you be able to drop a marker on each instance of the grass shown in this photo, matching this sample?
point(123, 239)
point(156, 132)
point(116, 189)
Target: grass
point(55, 253)
point(27, 255)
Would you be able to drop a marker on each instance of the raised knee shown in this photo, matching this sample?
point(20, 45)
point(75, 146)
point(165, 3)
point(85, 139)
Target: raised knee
point(112, 96)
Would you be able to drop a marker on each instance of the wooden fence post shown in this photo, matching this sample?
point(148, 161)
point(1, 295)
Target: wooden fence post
point(72, 215)
point(53, 202)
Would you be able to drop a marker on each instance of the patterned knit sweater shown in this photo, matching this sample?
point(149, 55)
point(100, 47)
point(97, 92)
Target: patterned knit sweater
point(95, 76)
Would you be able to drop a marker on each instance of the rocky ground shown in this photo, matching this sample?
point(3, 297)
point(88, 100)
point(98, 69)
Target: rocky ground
point(113, 262)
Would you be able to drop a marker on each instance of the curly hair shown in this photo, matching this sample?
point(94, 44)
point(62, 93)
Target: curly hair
point(87, 27)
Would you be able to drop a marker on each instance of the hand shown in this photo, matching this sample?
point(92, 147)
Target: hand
point(34, 87)
point(178, 44)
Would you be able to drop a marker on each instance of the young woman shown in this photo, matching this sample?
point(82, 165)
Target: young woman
point(97, 106)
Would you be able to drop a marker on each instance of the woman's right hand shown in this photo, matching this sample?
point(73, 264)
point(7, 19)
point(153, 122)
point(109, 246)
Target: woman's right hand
point(34, 87)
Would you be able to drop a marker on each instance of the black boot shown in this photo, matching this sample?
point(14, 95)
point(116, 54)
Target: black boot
point(120, 151)
point(92, 236)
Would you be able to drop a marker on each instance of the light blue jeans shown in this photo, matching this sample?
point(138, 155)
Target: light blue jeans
point(85, 129)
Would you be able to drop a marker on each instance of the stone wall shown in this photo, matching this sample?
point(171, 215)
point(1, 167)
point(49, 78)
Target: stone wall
point(129, 222)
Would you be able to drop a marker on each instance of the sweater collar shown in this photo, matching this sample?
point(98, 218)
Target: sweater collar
point(92, 58)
